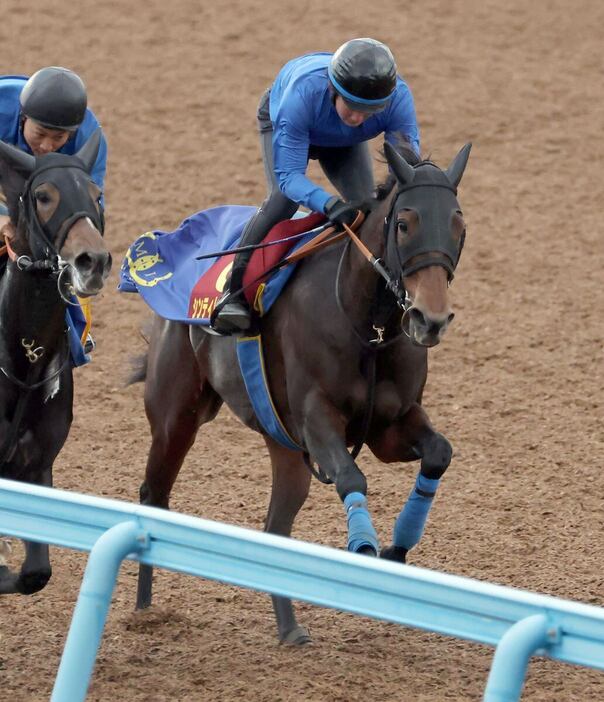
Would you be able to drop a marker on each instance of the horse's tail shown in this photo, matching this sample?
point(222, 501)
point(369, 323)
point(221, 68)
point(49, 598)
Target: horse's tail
point(139, 364)
point(139, 370)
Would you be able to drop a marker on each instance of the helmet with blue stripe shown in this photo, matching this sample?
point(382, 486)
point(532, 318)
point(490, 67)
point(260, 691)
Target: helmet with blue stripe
point(363, 72)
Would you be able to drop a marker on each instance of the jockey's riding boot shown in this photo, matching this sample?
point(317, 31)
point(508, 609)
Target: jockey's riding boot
point(233, 315)
point(89, 344)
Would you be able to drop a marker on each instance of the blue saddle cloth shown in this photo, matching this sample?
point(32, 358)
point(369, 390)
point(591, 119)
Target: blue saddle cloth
point(163, 267)
point(76, 323)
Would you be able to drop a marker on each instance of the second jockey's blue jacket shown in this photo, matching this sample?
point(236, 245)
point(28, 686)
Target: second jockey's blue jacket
point(303, 114)
point(11, 132)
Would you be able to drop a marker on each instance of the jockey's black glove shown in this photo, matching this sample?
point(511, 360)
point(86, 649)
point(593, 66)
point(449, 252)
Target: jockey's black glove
point(340, 212)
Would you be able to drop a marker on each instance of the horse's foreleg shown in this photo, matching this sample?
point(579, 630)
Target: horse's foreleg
point(35, 570)
point(291, 482)
point(414, 437)
point(324, 432)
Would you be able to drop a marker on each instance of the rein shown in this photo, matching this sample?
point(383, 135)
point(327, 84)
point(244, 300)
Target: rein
point(25, 263)
point(26, 388)
point(371, 347)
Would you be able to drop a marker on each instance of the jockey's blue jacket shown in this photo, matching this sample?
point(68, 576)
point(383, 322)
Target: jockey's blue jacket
point(12, 133)
point(303, 115)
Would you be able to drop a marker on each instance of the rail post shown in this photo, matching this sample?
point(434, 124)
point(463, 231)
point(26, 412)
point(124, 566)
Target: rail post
point(90, 614)
point(512, 655)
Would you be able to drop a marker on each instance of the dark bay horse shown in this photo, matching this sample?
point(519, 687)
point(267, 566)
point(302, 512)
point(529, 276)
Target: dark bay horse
point(335, 314)
point(58, 250)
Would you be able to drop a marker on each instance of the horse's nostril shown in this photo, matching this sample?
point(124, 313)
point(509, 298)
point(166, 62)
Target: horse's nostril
point(89, 263)
point(107, 264)
point(418, 317)
point(84, 262)
point(427, 324)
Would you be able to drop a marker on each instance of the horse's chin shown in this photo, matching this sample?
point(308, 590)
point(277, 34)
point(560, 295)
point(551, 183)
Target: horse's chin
point(88, 286)
point(88, 291)
point(426, 343)
point(424, 340)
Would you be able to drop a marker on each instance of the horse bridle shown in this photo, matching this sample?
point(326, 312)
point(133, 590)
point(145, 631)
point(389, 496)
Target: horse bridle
point(45, 245)
point(47, 239)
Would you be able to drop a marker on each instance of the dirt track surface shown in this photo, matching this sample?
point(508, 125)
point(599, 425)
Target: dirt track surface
point(516, 385)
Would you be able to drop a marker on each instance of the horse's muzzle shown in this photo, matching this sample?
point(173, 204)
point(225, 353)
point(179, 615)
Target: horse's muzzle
point(89, 271)
point(425, 330)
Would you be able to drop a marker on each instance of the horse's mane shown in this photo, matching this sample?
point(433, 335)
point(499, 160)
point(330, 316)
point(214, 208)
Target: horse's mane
point(404, 149)
point(12, 184)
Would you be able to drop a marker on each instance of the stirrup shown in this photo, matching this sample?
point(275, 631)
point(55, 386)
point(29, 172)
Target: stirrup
point(231, 318)
point(89, 344)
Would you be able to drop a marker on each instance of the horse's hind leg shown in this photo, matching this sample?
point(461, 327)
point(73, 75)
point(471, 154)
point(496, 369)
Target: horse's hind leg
point(177, 402)
point(291, 481)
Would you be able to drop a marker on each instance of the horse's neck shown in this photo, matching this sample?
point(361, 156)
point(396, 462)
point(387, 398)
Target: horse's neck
point(359, 279)
point(31, 312)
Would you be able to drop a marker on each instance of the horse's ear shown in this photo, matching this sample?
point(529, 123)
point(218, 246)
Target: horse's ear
point(90, 150)
point(401, 169)
point(16, 159)
point(458, 165)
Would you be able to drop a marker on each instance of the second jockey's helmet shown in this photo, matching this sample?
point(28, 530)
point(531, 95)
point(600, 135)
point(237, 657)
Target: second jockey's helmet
point(55, 97)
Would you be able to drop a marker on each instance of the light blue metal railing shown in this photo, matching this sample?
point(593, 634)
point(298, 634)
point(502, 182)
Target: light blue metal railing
point(517, 622)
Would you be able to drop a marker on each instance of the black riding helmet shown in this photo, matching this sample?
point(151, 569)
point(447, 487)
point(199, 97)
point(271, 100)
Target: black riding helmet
point(363, 72)
point(55, 97)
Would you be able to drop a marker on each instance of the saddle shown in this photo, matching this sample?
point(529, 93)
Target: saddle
point(166, 270)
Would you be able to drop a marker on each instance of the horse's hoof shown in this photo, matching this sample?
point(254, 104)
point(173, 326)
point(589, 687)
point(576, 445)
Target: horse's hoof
point(28, 583)
point(394, 553)
point(367, 550)
point(300, 636)
point(8, 581)
point(144, 592)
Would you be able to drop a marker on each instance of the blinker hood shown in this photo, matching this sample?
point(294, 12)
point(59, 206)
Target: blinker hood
point(75, 202)
point(433, 198)
point(432, 194)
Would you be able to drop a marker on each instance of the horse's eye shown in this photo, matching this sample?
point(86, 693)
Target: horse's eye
point(43, 198)
point(403, 226)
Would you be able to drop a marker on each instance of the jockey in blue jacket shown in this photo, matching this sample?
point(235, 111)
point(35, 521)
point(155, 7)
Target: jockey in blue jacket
point(326, 107)
point(45, 113)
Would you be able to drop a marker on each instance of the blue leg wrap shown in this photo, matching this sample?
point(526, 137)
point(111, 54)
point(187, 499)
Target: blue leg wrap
point(410, 523)
point(360, 529)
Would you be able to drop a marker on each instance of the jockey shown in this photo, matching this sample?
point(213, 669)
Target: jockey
point(326, 107)
point(47, 112)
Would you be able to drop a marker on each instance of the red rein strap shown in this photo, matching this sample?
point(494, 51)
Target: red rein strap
point(7, 248)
